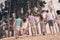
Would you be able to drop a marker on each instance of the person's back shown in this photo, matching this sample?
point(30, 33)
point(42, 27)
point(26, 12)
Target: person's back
point(49, 16)
point(25, 23)
point(18, 21)
point(50, 20)
point(42, 24)
point(41, 17)
point(31, 19)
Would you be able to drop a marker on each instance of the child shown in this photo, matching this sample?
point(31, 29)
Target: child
point(18, 22)
point(31, 20)
point(38, 24)
point(25, 25)
point(42, 24)
point(50, 20)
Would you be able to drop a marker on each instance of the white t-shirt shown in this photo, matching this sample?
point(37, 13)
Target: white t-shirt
point(49, 16)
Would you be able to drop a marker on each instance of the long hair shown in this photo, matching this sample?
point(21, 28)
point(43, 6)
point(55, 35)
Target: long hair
point(41, 17)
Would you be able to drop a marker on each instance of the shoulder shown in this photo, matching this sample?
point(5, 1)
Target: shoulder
point(20, 19)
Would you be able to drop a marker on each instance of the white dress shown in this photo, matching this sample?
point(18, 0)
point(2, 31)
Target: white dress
point(38, 25)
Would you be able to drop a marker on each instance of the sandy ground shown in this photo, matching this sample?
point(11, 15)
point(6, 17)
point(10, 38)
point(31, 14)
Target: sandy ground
point(38, 37)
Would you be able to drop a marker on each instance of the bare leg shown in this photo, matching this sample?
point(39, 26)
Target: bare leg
point(43, 30)
point(17, 33)
point(33, 31)
point(59, 27)
point(51, 29)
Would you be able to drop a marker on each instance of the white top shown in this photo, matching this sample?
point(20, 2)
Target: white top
point(37, 19)
point(25, 24)
point(49, 16)
point(44, 15)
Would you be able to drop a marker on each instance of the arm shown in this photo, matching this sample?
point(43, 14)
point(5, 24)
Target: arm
point(46, 18)
point(54, 18)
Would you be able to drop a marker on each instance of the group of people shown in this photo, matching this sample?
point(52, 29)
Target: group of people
point(34, 24)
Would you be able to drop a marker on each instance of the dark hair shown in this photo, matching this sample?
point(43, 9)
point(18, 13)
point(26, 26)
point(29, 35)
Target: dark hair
point(41, 17)
point(24, 19)
point(47, 11)
point(17, 15)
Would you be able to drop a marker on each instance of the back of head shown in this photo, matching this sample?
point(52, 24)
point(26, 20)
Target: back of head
point(47, 11)
point(24, 19)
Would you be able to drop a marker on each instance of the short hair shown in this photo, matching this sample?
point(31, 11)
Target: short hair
point(24, 19)
point(47, 11)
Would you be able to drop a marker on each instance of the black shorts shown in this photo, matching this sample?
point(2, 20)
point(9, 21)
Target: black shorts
point(50, 22)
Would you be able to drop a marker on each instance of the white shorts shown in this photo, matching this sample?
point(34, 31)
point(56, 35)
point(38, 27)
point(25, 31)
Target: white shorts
point(18, 28)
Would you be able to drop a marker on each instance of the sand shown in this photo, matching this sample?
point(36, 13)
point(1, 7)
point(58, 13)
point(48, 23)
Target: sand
point(38, 37)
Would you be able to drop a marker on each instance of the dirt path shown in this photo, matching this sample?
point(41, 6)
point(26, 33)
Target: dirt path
point(38, 37)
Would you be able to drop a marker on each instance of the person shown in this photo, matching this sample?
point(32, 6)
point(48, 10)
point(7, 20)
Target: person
point(38, 24)
point(42, 24)
point(25, 25)
point(50, 20)
point(31, 20)
point(58, 22)
point(18, 23)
